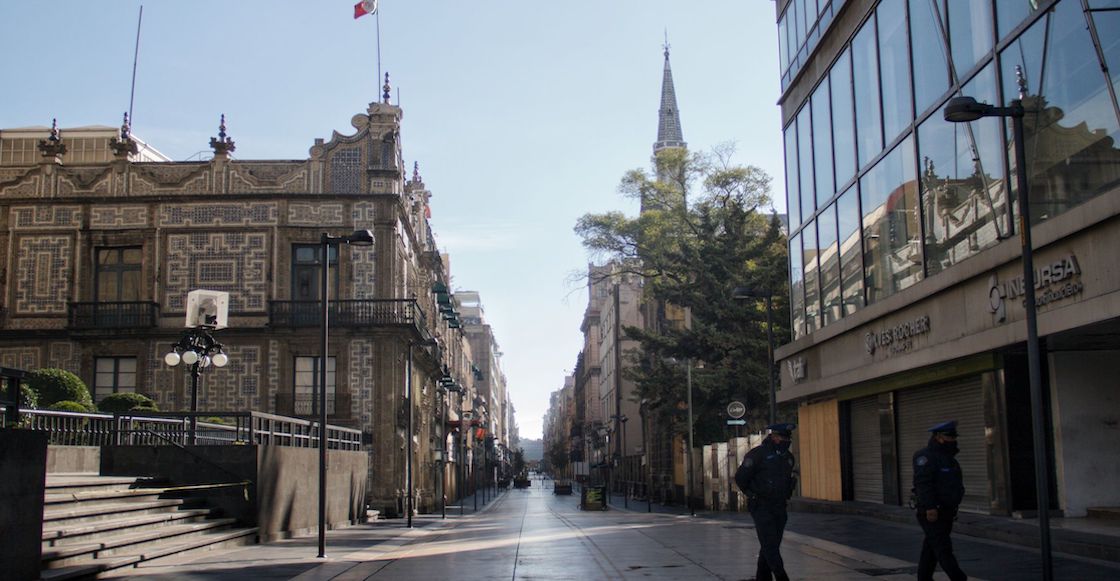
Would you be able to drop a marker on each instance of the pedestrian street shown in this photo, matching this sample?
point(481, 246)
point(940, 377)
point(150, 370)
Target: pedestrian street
point(534, 534)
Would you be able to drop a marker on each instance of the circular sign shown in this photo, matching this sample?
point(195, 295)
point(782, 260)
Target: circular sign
point(736, 409)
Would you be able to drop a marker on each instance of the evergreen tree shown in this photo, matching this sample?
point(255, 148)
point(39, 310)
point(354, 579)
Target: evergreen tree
point(701, 233)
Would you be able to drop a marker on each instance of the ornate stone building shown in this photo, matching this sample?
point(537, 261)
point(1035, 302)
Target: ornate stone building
point(97, 254)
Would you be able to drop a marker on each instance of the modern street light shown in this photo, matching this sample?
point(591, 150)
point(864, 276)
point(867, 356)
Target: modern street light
point(198, 349)
point(962, 110)
point(408, 439)
point(743, 292)
point(357, 238)
point(645, 452)
point(688, 453)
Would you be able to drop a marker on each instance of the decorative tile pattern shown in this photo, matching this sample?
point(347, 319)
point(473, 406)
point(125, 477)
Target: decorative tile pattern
point(304, 214)
point(39, 217)
point(235, 386)
point(346, 171)
point(151, 180)
point(273, 375)
point(28, 186)
point(288, 177)
point(114, 217)
point(363, 215)
point(77, 180)
point(363, 263)
point(246, 214)
point(235, 262)
point(361, 381)
point(65, 355)
point(26, 358)
point(43, 272)
point(160, 380)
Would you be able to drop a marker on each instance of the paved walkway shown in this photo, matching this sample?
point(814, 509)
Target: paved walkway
point(532, 534)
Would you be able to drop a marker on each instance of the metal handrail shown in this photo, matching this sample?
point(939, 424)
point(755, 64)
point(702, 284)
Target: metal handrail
point(151, 428)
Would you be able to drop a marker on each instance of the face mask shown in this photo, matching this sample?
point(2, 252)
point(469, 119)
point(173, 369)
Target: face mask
point(784, 446)
point(951, 447)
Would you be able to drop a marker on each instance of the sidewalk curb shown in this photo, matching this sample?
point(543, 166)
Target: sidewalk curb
point(994, 528)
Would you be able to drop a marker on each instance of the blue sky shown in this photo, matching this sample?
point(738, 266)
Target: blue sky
point(522, 114)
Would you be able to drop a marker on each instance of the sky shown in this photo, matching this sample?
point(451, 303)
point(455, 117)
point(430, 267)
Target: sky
point(523, 114)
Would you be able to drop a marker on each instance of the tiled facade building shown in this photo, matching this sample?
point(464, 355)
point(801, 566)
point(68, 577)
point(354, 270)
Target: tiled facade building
point(904, 243)
point(97, 254)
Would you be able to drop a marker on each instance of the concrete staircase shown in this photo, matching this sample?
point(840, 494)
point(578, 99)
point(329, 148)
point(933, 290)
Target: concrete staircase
point(93, 524)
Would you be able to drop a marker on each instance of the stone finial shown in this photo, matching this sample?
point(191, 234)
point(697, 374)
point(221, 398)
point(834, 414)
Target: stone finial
point(386, 90)
point(1022, 81)
point(125, 145)
point(416, 172)
point(52, 146)
point(222, 144)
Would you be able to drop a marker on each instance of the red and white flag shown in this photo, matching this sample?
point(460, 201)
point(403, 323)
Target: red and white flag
point(365, 7)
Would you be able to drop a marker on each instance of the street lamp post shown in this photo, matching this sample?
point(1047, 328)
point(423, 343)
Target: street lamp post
point(357, 238)
point(198, 349)
point(962, 110)
point(750, 293)
point(645, 452)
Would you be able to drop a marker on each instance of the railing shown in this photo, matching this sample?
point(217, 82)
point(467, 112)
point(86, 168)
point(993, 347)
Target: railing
point(348, 313)
point(167, 428)
point(113, 315)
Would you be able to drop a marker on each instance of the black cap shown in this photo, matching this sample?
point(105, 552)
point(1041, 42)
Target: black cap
point(782, 429)
point(948, 428)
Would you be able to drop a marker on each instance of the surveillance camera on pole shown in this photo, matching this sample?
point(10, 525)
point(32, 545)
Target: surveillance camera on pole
point(207, 308)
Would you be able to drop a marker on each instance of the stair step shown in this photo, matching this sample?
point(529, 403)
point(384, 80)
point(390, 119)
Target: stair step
point(94, 497)
point(76, 532)
point(1105, 512)
point(125, 544)
point(209, 541)
point(64, 483)
point(76, 513)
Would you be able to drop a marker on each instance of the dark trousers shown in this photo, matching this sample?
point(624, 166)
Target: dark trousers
point(938, 547)
point(770, 523)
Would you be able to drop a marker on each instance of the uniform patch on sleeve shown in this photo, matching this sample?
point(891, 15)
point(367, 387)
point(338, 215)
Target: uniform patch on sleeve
point(921, 461)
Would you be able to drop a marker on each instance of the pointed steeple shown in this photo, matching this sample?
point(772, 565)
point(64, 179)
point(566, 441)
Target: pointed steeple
point(669, 120)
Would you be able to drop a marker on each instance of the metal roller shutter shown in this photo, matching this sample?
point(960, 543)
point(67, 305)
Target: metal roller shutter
point(921, 408)
point(867, 455)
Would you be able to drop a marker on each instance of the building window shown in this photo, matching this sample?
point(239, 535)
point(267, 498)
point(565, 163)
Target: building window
point(1071, 124)
point(306, 273)
point(117, 277)
point(964, 198)
point(113, 375)
point(307, 382)
point(892, 253)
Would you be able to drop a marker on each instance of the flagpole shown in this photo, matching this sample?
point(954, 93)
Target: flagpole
point(377, 15)
point(135, 58)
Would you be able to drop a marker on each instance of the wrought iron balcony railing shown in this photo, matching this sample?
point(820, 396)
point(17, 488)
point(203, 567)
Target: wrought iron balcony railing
point(301, 405)
point(349, 313)
point(113, 315)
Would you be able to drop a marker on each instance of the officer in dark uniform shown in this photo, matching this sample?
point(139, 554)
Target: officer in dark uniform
point(766, 477)
point(938, 490)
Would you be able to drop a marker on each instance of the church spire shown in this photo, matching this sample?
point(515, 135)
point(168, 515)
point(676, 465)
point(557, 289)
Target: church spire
point(669, 119)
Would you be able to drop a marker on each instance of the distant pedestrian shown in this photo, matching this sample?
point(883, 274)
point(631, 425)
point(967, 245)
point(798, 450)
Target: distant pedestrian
point(938, 491)
point(766, 477)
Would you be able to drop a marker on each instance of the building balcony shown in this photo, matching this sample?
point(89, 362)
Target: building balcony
point(404, 313)
point(299, 405)
point(113, 315)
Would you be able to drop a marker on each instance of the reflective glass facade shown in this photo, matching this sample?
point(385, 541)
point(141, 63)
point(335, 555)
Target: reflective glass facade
point(882, 192)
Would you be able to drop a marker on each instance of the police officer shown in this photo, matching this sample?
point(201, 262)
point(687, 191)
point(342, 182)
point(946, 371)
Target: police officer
point(938, 490)
point(766, 477)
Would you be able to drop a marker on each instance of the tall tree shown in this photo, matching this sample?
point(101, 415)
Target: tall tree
point(701, 233)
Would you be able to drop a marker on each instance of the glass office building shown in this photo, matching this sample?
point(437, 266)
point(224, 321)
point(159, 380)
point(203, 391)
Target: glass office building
point(905, 302)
